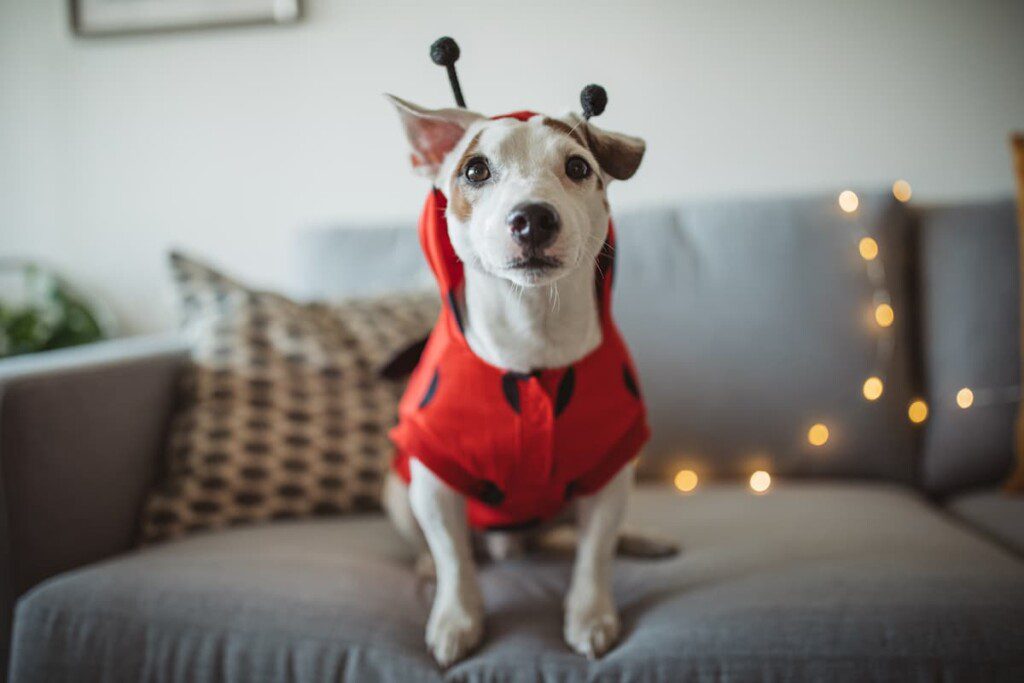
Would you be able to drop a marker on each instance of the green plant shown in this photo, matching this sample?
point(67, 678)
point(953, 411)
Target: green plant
point(39, 312)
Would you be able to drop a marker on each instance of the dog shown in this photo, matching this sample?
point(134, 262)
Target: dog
point(524, 199)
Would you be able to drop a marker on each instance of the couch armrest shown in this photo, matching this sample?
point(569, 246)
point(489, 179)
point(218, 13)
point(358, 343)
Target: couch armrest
point(80, 434)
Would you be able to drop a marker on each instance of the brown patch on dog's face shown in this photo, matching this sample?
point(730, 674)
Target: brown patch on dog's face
point(563, 127)
point(460, 206)
point(576, 134)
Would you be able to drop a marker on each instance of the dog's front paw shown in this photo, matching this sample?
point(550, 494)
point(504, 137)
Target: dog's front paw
point(591, 625)
point(454, 629)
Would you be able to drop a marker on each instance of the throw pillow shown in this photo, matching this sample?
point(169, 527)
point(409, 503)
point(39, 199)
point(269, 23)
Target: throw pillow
point(283, 412)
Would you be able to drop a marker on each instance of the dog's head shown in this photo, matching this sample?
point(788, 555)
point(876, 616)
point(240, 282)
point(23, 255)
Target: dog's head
point(527, 199)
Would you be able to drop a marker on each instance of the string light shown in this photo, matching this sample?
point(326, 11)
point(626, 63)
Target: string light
point(760, 481)
point(848, 201)
point(917, 411)
point(873, 388)
point(884, 315)
point(868, 249)
point(965, 398)
point(686, 480)
point(817, 435)
point(901, 190)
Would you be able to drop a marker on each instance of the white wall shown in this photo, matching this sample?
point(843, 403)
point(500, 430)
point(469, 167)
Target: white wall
point(228, 142)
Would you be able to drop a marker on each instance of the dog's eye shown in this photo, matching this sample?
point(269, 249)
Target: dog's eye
point(476, 171)
point(577, 168)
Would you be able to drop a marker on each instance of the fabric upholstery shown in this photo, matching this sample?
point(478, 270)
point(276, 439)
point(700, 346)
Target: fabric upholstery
point(340, 262)
point(749, 321)
point(80, 430)
point(995, 513)
point(970, 331)
point(282, 411)
point(79, 433)
point(812, 581)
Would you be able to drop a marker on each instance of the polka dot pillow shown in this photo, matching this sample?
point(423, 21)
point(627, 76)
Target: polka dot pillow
point(283, 412)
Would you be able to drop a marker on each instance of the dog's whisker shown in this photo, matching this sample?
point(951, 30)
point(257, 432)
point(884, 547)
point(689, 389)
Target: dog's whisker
point(553, 297)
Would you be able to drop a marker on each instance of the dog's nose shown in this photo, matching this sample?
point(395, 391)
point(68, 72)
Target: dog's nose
point(533, 224)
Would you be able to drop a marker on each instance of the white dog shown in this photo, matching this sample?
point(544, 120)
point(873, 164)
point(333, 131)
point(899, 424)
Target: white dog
point(527, 215)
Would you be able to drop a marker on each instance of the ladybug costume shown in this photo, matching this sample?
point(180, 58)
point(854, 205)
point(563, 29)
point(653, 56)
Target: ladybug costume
point(518, 446)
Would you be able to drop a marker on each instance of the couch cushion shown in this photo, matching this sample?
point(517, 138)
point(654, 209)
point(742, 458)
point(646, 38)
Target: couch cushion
point(970, 329)
point(749, 322)
point(339, 262)
point(995, 513)
point(851, 582)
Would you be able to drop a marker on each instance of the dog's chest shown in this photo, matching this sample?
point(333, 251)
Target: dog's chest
point(553, 327)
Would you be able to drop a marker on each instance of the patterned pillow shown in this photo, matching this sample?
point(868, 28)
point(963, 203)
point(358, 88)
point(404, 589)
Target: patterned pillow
point(283, 410)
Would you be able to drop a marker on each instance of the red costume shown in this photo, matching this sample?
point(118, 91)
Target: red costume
point(517, 446)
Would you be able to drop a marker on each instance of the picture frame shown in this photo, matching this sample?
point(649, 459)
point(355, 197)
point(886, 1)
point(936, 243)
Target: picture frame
point(113, 17)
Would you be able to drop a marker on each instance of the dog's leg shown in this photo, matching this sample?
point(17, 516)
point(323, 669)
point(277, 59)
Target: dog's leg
point(396, 503)
point(591, 621)
point(456, 620)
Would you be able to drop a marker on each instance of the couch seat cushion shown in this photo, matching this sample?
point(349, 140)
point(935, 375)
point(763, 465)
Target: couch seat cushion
point(993, 512)
point(845, 581)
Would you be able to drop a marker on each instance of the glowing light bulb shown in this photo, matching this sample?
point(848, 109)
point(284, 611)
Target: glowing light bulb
point(873, 388)
point(686, 480)
point(868, 249)
point(965, 398)
point(901, 190)
point(917, 411)
point(884, 315)
point(817, 435)
point(760, 481)
point(848, 201)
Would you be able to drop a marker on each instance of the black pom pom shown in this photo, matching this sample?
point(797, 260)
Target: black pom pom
point(444, 51)
point(594, 99)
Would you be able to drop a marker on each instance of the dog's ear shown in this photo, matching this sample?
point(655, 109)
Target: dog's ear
point(432, 133)
point(619, 155)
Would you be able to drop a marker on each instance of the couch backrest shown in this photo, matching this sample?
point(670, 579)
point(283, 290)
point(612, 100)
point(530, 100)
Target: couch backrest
point(750, 322)
point(753, 322)
point(970, 327)
point(347, 260)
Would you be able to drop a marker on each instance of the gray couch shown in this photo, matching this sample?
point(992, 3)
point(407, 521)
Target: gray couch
point(888, 553)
